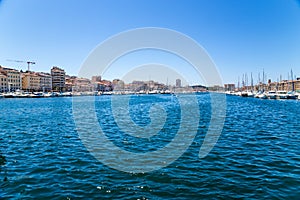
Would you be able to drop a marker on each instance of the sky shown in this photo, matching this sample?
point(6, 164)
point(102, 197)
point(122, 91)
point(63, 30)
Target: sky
point(245, 36)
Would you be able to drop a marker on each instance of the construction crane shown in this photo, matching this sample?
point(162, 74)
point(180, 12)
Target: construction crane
point(21, 61)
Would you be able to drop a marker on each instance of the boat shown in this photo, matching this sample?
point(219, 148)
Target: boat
point(49, 94)
point(1, 96)
point(153, 92)
point(262, 96)
point(244, 94)
point(35, 95)
point(107, 93)
point(250, 94)
point(257, 94)
point(272, 94)
point(281, 94)
point(66, 94)
point(291, 95)
point(9, 95)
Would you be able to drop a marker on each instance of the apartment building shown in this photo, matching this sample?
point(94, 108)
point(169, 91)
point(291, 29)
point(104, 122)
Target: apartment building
point(30, 81)
point(45, 81)
point(58, 79)
point(3, 83)
point(13, 78)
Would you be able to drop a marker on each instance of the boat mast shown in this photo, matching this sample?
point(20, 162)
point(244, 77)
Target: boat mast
point(263, 82)
point(238, 83)
point(293, 86)
point(251, 83)
point(259, 88)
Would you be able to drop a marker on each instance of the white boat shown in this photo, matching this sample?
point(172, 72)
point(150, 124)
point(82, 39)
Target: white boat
point(9, 95)
point(257, 94)
point(107, 93)
point(250, 94)
point(244, 94)
point(1, 96)
point(66, 94)
point(49, 94)
point(153, 92)
point(263, 96)
point(281, 94)
point(291, 95)
point(272, 95)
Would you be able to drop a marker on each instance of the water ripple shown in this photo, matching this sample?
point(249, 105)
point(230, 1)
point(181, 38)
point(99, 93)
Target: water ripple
point(257, 155)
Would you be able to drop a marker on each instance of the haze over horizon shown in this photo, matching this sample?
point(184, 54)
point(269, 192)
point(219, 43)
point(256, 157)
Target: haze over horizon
point(240, 36)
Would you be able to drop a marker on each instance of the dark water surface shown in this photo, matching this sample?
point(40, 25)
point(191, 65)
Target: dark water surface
point(256, 157)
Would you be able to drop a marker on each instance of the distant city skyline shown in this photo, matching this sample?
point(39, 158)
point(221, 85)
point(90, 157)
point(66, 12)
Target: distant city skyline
point(240, 36)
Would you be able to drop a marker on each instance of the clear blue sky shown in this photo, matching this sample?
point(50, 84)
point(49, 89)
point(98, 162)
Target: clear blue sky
point(241, 36)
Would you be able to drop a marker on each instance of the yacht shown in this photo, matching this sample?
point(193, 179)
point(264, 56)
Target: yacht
point(9, 95)
point(291, 95)
point(250, 94)
point(272, 94)
point(262, 96)
point(281, 94)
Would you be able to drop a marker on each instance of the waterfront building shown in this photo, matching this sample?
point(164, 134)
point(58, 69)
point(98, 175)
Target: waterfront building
point(45, 81)
point(30, 81)
point(58, 79)
point(229, 87)
point(3, 83)
point(13, 77)
point(297, 85)
point(70, 82)
point(118, 84)
point(83, 85)
point(96, 79)
point(103, 85)
point(178, 82)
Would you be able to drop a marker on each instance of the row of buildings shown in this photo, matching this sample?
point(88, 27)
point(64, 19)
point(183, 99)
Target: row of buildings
point(58, 81)
point(12, 80)
point(284, 85)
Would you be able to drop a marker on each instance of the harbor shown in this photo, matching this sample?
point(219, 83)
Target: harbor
point(150, 100)
point(288, 89)
point(44, 158)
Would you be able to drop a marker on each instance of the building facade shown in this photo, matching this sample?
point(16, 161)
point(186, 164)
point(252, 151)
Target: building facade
point(3, 83)
point(45, 81)
point(58, 79)
point(229, 87)
point(30, 81)
point(13, 78)
point(83, 85)
point(178, 82)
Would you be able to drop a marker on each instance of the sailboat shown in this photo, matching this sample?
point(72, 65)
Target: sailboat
point(291, 94)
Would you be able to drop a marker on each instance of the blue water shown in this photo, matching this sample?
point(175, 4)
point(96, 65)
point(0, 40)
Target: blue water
point(257, 155)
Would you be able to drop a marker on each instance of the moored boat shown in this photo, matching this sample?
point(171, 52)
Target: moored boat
point(262, 96)
point(291, 95)
point(272, 95)
point(281, 94)
point(9, 95)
